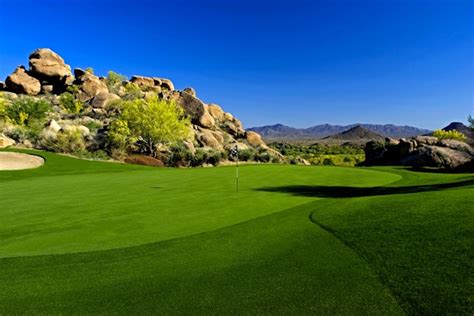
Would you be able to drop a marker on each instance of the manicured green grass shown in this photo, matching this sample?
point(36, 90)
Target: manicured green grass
point(87, 237)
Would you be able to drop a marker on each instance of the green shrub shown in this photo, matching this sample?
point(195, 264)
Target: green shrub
point(328, 162)
point(214, 157)
point(69, 103)
point(70, 142)
point(453, 134)
point(132, 91)
point(263, 156)
point(247, 154)
point(199, 157)
point(114, 80)
point(3, 106)
point(26, 110)
point(180, 156)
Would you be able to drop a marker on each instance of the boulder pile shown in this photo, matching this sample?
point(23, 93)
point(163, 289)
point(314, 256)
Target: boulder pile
point(421, 151)
point(48, 77)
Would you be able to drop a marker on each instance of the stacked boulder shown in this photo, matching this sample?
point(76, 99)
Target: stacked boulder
point(48, 76)
point(421, 151)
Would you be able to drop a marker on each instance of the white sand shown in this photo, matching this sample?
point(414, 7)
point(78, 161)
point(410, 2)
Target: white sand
point(17, 161)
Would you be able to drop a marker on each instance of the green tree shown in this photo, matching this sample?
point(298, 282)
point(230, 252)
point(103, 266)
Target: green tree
point(471, 121)
point(147, 123)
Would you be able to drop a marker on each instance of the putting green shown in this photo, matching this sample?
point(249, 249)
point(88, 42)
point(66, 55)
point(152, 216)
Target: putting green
point(49, 211)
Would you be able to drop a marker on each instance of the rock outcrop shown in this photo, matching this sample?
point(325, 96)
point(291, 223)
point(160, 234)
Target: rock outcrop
point(21, 82)
point(49, 77)
point(421, 151)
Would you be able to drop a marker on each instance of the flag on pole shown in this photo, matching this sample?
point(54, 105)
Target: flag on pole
point(234, 152)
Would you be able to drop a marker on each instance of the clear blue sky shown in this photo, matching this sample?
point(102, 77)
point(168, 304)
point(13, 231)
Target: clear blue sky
point(296, 62)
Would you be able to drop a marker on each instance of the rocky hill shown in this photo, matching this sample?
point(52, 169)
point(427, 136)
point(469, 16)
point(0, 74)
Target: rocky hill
point(421, 152)
point(50, 79)
point(281, 132)
point(355, 135)
point(460, 127)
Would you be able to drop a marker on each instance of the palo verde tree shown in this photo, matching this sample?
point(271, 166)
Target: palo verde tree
point(148, 122)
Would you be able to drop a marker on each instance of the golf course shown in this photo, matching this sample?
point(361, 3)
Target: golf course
point(89, 237)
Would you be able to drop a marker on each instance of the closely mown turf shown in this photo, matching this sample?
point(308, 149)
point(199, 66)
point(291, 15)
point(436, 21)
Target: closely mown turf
point(87, 237)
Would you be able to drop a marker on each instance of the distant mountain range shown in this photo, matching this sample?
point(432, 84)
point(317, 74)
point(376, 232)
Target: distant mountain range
point(281, 132)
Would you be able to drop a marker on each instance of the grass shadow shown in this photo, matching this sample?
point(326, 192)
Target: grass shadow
point(350, 192)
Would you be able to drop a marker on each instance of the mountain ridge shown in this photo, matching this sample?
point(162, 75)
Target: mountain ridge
point(324, 130)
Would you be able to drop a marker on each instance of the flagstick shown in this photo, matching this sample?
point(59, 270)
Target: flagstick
point(237, 174)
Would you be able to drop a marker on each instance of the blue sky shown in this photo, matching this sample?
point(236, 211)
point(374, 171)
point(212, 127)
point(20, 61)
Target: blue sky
point(296, 62)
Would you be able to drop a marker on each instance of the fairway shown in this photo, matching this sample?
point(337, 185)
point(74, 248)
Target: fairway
point(81, 236)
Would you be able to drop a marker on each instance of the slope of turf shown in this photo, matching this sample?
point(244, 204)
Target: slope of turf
point(72, 205)
point(294, 240)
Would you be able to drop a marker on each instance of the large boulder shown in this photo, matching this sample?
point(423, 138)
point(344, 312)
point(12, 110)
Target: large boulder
point(193, 107)
point(254, 139)
point(166, 84)
point(143, 82)
point(103, 99)
point(90, 86)
point(207, 139)
point(190, 90)
point(216, 112)
point(421, 151)
point(46, 64)
point(438, 157)
point(6, 141)
point(21, 82)
point(206, 120)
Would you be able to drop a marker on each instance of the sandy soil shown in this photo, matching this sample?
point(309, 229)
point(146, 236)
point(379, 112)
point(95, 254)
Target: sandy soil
point(16, 161)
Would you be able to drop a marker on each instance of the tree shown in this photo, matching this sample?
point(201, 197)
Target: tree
point(147, 123)
point(471, 121)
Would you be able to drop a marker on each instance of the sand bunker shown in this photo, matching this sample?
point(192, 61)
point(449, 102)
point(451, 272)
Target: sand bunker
point(17, 161)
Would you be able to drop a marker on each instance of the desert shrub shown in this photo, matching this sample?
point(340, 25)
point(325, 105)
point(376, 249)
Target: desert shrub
point(276, 159)
point(93, 126)
point(180, 156)
point(3, 106)
point(199, 157)
point(27, 110)
point(328, 161)
point(70, 104)
point(246, 154)
point(214, 157)
point(453, 134)
point(263, 156)
point(70, 141)
point(144, 160)
point(132, 91)
point(90, 70)
point(147, 123)
point(114, 80)
point(120, 139)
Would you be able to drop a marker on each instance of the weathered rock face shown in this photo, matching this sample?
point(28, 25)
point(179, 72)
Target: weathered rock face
point(49, 77)
point(90, 86)
point(6, 141)
point(21, 82)
point(193, 107)
point(190, 91)
point(421, 151)
point(103, 99)
point(255, 140)
point(49, 65)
